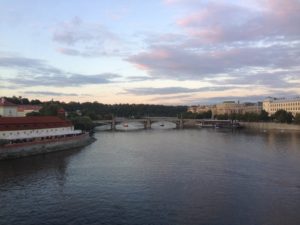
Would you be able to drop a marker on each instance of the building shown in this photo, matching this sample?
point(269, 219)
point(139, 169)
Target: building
point(8, 109)
point(38, 127)
point(22, 110)
point(228, 107)
point(231, 107)
point(250, 107)
point(25, 136)
point(272, 105)
point(200, 108)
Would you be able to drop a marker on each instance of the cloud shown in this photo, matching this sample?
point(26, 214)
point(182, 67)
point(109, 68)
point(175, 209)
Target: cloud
point(173, 90)
point(176, 63)
point(80, 38)
point(35, 72)
point(216, 22)
point(49, 93)
point(249, 44)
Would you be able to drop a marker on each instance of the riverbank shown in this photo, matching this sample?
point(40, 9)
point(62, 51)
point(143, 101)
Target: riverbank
point(19, 150)
point(270, 126)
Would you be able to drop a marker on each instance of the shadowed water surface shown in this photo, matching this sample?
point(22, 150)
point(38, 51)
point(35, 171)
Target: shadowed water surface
point(159, 177)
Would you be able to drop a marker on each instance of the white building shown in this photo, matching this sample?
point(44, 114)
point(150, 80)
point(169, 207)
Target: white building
point(38, 127)
point(271, 105)
point(8, 109)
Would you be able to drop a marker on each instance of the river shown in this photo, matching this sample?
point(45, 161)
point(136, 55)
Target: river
point(189, 176)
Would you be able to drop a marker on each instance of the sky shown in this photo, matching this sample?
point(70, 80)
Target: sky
point(173, 52)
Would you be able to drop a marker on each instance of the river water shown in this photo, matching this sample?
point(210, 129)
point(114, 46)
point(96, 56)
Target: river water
point(190, 176)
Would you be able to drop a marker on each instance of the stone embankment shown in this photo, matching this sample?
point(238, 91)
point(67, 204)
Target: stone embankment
point(27, 149)
point(270, 126)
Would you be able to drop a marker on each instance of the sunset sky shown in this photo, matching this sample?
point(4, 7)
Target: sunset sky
point(155, 52)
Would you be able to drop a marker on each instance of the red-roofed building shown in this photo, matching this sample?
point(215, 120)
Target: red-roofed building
point(8, 109)
point(24, 109)
point(13, 128)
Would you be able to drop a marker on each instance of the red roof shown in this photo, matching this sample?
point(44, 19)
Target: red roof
point(4, 102)
point(28, 107)
point(32, 122)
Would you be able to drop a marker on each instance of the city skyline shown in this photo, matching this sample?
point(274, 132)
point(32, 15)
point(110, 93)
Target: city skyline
point(158, 52)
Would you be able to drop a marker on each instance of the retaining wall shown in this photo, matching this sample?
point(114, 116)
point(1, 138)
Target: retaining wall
point(270, 126)
point(41, 148)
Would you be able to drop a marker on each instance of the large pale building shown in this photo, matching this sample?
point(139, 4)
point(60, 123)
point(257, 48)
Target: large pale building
point(201, 108)
point(232, 107)
point(272, 105)
point(228, 107)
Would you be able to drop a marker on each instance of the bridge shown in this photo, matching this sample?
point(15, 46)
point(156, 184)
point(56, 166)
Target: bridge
point(180, 123)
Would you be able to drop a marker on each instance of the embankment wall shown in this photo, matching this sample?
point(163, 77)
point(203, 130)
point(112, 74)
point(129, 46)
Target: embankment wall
point(270, 126)
point(22, 150)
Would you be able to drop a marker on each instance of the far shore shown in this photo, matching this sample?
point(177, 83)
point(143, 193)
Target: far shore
point(270, 126)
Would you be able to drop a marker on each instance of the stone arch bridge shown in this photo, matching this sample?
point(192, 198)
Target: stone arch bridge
point(180, 123)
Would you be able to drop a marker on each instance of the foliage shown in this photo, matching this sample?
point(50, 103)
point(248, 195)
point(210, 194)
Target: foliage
point(264, 116)
point(190, 115)
point(248, 117)
point(33, 114)
point(50, 109)
point(283, 116)
point(97, 110)
point(23, 101)
point(82, 123)
point(297, 118)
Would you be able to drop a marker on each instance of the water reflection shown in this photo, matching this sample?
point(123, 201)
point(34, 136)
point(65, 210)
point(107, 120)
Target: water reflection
point(196, 176)
point(25, 170)
point(128, 126)
point(163, 125)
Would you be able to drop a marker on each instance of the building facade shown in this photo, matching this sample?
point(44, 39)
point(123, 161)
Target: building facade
point(22, 110)
point(38, 127)
point(272, 105)
point(228, 107)
point(200, 108)
point(8, 109)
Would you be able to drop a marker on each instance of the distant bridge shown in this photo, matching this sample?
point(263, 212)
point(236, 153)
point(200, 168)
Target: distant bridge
point(180, 123)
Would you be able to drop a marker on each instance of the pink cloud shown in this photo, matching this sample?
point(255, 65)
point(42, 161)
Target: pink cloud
point(219, 22)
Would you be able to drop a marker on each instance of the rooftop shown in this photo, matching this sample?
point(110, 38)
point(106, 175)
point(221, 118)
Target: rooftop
point(32, 122)
point(4, 102)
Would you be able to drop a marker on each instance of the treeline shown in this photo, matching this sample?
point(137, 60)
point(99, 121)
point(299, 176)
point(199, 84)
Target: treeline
point(82, 114)
point(96, 110)
point(23, 101)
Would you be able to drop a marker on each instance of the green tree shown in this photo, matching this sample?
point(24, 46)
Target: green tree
point(297, 118)
point(283, 116)
point(82, 123)
point(264, 116)
point(50, 109)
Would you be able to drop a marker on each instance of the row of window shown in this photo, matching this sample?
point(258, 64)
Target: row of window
point(287, 109)
point(32, 131)
point(286, 104)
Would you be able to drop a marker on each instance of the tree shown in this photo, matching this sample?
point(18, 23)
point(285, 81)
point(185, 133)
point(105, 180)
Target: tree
point(33, 114)
point(83, 123)
point(297, 118)
point(283, 116)
point(264, 116)
point(50, 109)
